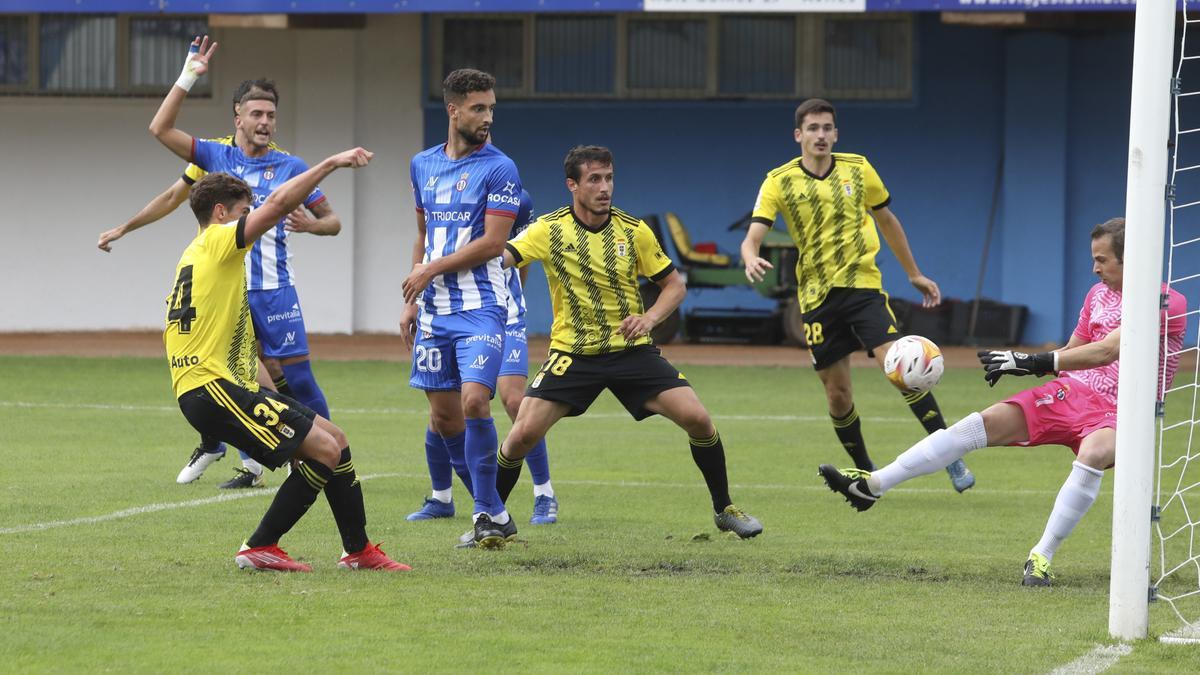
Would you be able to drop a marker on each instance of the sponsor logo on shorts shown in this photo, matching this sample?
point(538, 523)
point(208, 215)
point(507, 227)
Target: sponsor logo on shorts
point(514, 355)
point(479, 363)
point(493, 341)
point(289, 338)
point(426, 335)
point(290, 315)
point(285, 430)
point(1043, 400)
point(537, 381)
point(184, 361)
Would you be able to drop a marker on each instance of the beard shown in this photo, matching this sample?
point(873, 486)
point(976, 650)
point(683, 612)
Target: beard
point(472, 136)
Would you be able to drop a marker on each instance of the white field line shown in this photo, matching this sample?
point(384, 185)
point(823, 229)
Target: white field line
point(424, 412)
point(1098, 660)
point(170, 506)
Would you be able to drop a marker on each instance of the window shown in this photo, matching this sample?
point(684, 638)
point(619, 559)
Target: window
point(155, 52)
point(867, 55)
point(668, 55)
point(14, 50)
point(492, 45)
point(758, 55)
point(78, 53)
point(690, 56)
point(575, 55)
point(95, 54)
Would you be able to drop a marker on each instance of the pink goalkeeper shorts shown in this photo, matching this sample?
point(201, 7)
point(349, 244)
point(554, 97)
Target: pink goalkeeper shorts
point(1063, 412)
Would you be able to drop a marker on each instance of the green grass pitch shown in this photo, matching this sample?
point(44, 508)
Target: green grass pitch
point(928, 580)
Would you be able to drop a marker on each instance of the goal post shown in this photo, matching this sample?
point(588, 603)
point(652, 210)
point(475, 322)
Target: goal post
point(1137, 393)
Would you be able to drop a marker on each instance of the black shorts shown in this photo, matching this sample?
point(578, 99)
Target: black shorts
point(264, 424)
point(848, 320)
point(633, 375)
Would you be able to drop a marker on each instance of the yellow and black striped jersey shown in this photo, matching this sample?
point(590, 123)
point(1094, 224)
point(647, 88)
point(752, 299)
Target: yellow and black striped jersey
point(593, 276)
point(194, 173)
point(208, 333)
point(828, 219)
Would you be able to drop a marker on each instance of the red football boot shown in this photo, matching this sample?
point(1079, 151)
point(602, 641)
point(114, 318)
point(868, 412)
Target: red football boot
point(270, 558)
point(371, 558)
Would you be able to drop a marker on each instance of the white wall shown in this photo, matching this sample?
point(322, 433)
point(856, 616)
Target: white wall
point(71, 168)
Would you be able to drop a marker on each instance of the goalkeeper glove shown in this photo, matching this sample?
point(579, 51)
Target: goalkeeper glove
point(997, 363)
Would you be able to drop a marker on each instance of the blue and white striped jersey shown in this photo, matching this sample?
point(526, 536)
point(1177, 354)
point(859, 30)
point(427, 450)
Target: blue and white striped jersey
point(269, 265)
point(455, 195)
point(516, 295)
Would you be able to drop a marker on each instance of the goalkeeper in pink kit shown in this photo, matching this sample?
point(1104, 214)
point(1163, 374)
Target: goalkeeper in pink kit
point(1077, 409)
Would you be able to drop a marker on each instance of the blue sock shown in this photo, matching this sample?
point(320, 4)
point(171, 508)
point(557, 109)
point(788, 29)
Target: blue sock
point(438, 460)
point(458, 458)
point(481, 445)
point(538, 462)
point(300, 378)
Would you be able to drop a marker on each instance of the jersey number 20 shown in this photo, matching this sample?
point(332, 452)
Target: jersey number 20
point(182, 313)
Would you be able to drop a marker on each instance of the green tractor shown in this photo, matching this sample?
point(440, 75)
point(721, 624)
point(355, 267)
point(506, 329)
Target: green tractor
point(710, 269)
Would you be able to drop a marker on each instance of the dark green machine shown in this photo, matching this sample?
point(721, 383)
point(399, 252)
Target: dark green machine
point(715, 270)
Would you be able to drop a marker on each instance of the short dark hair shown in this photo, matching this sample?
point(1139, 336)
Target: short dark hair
point(814, 106)
point(213, 189)
point(1115, 228)
point(582, 154)
point(465, 81)
point(261, 89)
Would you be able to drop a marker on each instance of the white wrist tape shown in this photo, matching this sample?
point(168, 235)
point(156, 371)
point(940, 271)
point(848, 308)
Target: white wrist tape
point(188, 76)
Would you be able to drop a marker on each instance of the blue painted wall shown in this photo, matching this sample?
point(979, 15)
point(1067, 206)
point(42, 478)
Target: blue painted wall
point(1064, 127)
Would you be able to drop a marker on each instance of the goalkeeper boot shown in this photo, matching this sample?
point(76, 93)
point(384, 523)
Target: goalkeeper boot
point(735, 520)
point(1037, 571)
point(243, 478)
point(545, 510)
point(960, 476)
point(371, 558)
point(197, 464)
point(431, 509)
point(268, 558)
point(851, 484)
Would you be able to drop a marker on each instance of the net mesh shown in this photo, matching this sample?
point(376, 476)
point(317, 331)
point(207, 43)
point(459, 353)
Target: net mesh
point(1177, 488)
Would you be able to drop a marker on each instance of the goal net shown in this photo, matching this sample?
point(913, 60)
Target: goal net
point(1175, 566)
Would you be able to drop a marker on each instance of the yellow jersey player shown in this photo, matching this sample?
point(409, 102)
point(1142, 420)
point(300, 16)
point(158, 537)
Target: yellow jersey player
point(831, 203)
point(593, 255)
point(212, 357)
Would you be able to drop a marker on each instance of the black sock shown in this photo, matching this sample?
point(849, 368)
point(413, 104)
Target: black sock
point(849, 431)
point(209, 443)
point(296, 494)
point(281, 386)
point(507, 475)
point(345, 496)
point(709, 455)
point(925, 407)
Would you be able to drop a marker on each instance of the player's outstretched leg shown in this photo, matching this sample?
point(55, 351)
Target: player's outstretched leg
point(851, 484)
point(925, 408)
point(441, 477)
point(209, 451)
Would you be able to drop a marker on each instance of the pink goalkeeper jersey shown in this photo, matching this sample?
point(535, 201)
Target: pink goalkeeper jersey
point(1101, 315)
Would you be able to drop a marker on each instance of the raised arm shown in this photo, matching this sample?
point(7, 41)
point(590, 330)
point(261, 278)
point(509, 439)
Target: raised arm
point(162, 126)
point(893, 234)
point(156, 210)
point(292, 193)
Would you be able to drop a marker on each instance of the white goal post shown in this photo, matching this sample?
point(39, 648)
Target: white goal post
point(1145, 206)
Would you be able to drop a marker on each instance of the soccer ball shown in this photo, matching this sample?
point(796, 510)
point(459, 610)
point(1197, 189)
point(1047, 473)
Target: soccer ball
point(913, 363)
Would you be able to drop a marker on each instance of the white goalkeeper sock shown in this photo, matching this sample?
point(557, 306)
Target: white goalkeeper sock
point(933, 453)
point(1077, 495)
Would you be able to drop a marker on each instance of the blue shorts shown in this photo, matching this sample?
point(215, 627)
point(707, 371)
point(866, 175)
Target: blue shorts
point(516, 352)
point(462, 347)
point(278, 322)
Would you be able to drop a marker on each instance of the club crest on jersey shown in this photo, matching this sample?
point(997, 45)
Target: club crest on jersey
point(621, 248)
point(269, 174)
point(848, 188)
point(462, 182)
